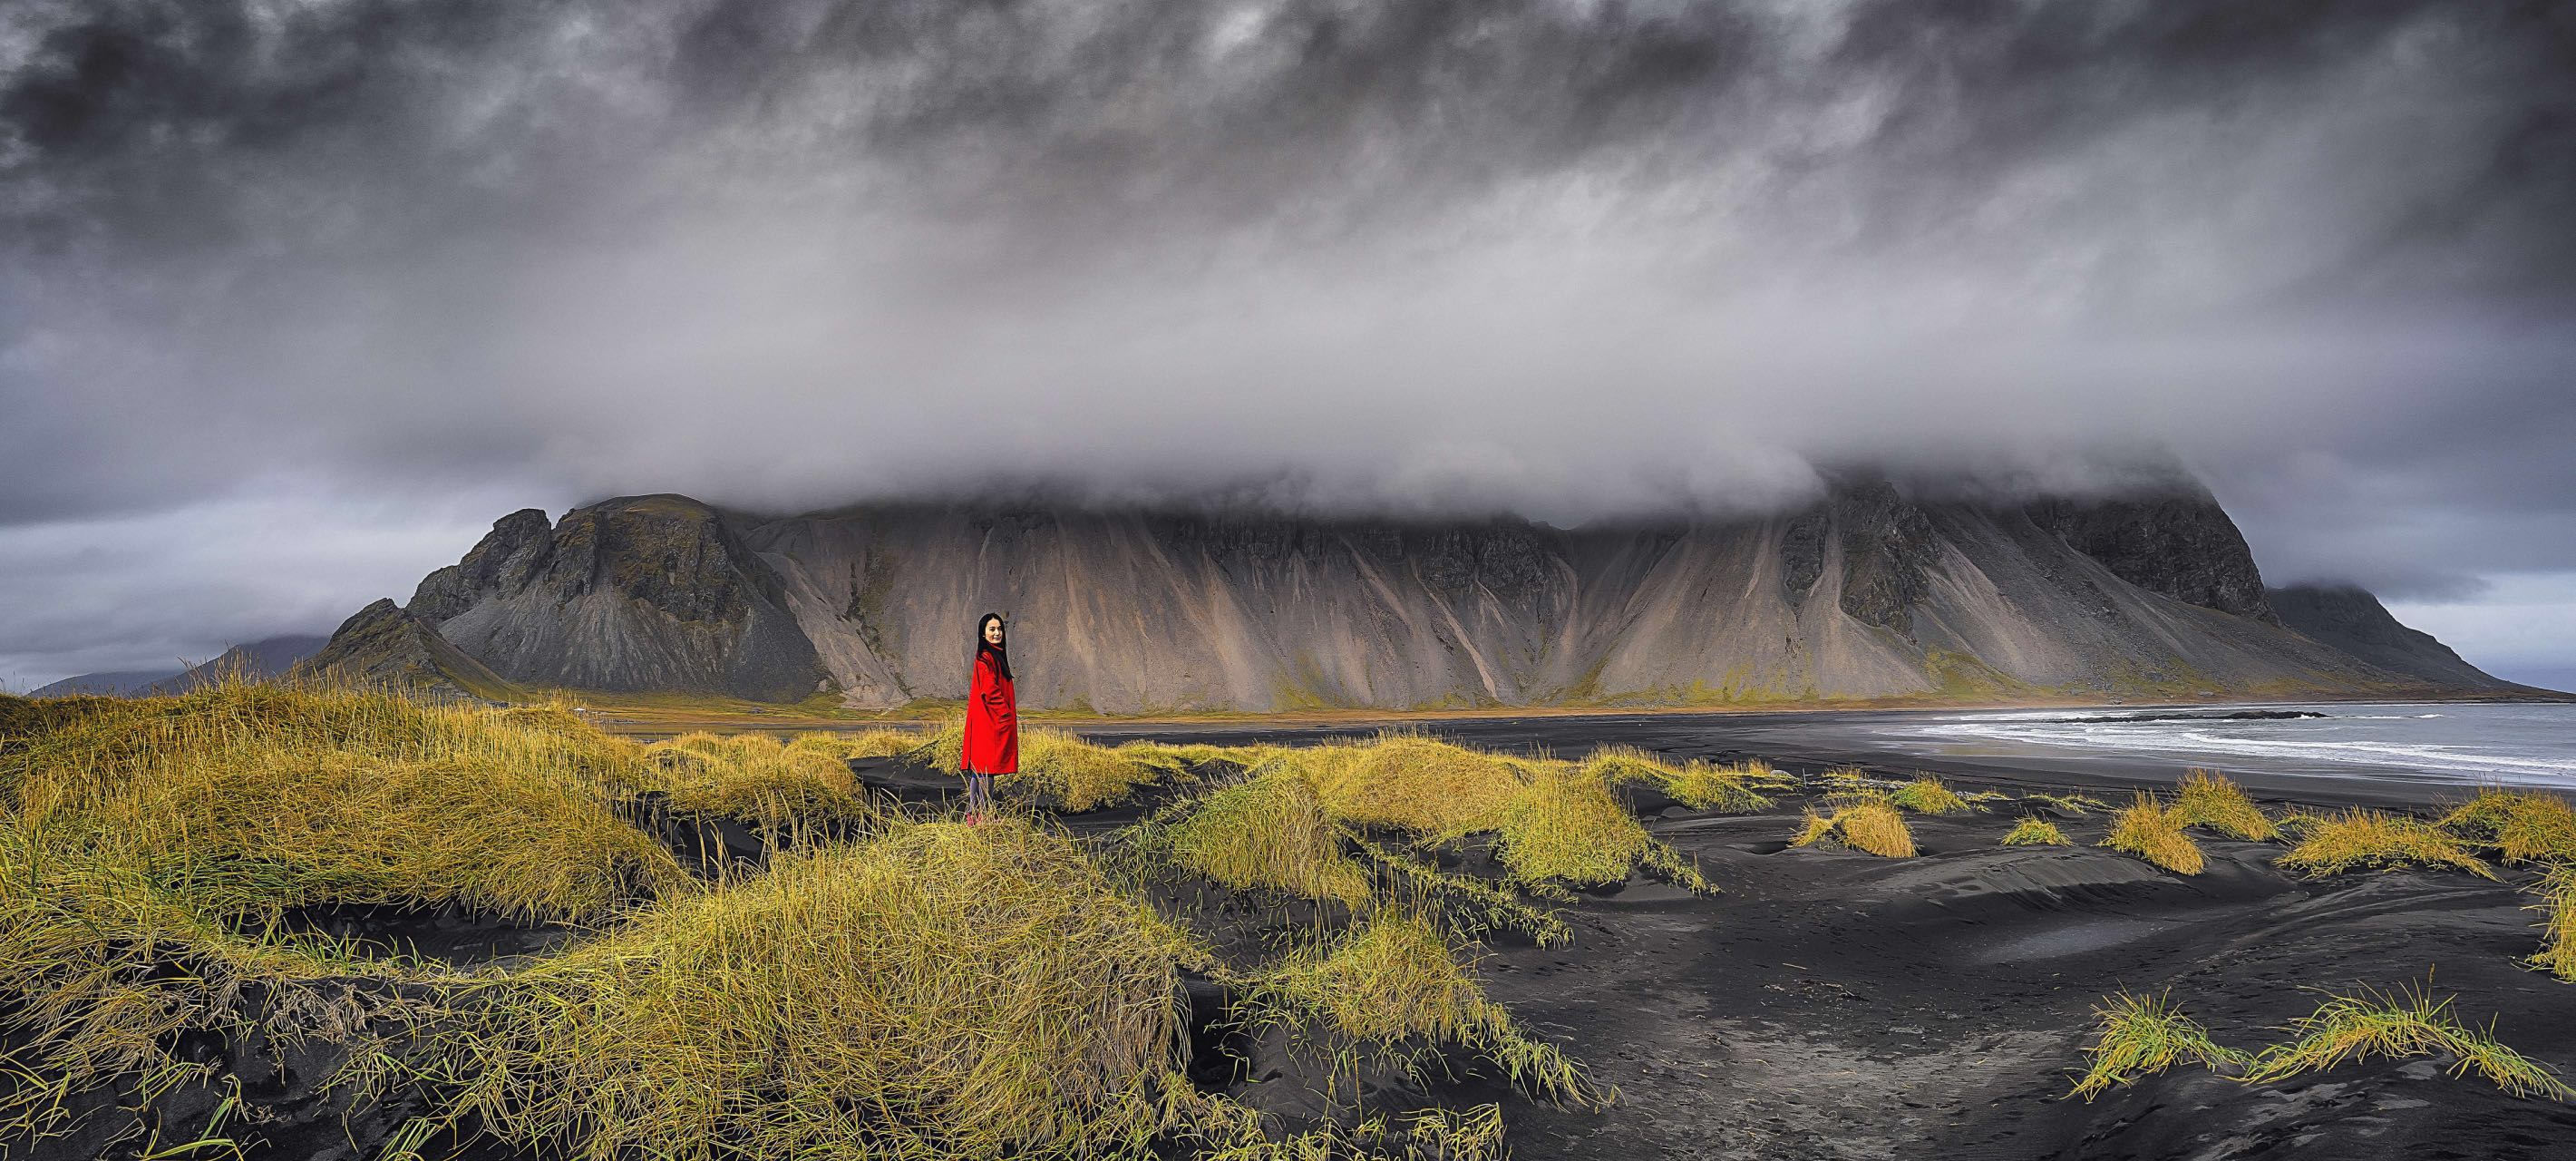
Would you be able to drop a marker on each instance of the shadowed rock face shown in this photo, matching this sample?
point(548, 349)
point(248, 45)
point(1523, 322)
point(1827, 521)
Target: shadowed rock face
point(383, 645)
point(2181, 545)
point(645, 593)
point(2354, 621)
point(1871, 593)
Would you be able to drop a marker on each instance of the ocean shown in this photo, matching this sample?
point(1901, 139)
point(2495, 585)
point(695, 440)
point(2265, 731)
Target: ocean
point(2523, 743)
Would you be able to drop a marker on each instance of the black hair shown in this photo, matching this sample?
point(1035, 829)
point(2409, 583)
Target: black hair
point(1000, 654)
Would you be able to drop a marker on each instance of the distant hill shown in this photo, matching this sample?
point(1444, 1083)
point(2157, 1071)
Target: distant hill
point(258, 659)
point(1870, 593)
point(115, 683)
point(2350, 619)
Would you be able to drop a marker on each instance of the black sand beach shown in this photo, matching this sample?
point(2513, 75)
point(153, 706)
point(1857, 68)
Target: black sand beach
point(1832, 1004)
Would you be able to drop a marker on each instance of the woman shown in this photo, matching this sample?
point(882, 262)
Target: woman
point(992, 720)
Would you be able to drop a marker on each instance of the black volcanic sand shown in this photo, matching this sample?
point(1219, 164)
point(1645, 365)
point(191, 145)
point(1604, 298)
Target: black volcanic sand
point(1833, 1004)
point(1828, 1004)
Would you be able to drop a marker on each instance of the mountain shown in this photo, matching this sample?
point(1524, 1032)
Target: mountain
point(1871, 593)
point(258, 659)
point(2354, 621)
point(114, 683)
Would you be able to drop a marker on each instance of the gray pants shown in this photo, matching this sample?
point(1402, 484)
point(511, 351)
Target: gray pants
point(979, 793)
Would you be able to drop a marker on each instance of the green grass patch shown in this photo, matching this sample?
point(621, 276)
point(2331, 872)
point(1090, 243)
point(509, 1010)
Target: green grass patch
point(2136, 1036)
point(2557, 906)
point(2407, 1022)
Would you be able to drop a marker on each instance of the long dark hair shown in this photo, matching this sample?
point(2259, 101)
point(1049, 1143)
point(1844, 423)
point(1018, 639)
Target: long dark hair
point(1001, 654)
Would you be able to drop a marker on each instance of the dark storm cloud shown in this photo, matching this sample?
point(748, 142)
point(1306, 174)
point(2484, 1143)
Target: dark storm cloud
point(1564, 256)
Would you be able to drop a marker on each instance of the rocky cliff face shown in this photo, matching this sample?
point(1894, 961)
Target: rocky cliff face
point(2352, 620)
point(2179, 544)
point(1871, 593)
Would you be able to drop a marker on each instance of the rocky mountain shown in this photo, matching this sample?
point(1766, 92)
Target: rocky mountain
point(1871, 593)
point(258, 659)
point(109, 683)
point(2354, 621)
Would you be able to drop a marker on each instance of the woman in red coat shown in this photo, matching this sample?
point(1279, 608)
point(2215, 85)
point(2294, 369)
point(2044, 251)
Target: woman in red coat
point(992, 720)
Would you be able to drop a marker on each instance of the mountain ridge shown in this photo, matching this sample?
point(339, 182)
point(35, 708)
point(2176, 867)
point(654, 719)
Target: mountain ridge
point(1870, 593)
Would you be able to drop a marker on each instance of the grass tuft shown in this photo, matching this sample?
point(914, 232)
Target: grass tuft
point(2037, 832)
point(1394, 983)
point(2406, 1022)
point(2217, 802)
point(2150, 830)
point(1268, 831)
point(2557, 954)
point(2523, 826)
point(2137, 1036)
point(2365, 839)
point(1869, 825)
point(1928, 796)
point(1698, 784)
point(905, 996)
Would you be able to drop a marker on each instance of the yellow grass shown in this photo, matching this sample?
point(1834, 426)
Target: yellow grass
point(2523, 826)
point(1869, 825)
point(150, 847)
point(1928, 796)
point(755, 776)
point(2217, 802)
point(2151, 831)
point(1698, 784)
point(1412, 782)
point(1269, 831)
point(905, 989)
point(2135, 1036)
point(2075, 804)
point(1395, 980)
point(2368, 839)
point(2557, 954)
point(2395, 1025)
point(1063, 771)
point(944, 990)
point(2037, 832)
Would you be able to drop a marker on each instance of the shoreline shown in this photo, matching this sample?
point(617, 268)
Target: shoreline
point(631, 719)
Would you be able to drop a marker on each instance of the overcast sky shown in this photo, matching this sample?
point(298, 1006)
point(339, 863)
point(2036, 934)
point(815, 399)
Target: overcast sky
point(297, 296)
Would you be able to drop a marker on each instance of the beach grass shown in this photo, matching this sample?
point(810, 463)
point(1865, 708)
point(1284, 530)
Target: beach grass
point(757, 777)
point(2074, 804)
point(912, 994)
point(2213, 800)
point(1266, 831)
point(1698, 784)
point(2138, 1035)
point(886, 986)
point(2373, 839)
point(2523, 826)
point(2037, 832)
point(2557, 954)
point(1927, 795)
point(2406, 1022)
point(1870, 825)
point(1394, 985)
point(1064, 772)
point(2152, 831)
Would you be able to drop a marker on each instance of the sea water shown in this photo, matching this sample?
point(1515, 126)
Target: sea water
point(2520, 743)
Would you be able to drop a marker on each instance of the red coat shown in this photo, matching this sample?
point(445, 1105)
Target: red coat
point(992, 723)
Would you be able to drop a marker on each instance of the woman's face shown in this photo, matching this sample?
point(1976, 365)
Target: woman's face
point(992, 632)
